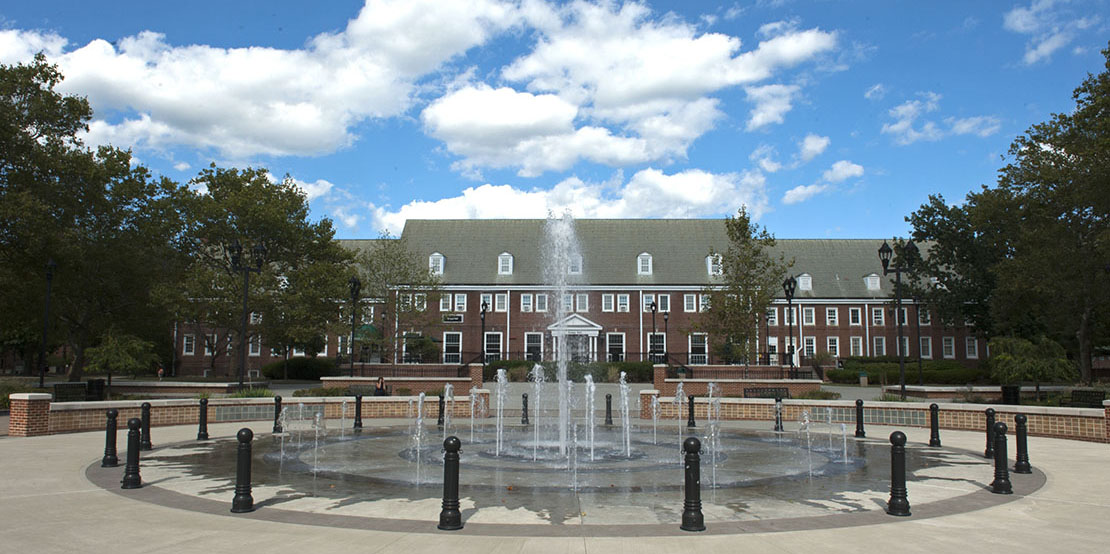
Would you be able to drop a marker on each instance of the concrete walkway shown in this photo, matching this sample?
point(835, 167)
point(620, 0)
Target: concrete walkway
point(47, 504)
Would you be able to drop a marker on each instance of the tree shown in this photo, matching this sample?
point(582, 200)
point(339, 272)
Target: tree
point(111, 228)
point(1014, 360)
point(748, 278)
point(121, 353)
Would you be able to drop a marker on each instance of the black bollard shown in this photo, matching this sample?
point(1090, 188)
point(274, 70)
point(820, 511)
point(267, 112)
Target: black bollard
point(131, 479)
point(899, 504)
point(608, 409)
point(450, 518)
point(1022, 465)
point(358, 411)
point(524, 409)
point(934, 425)
point(859, 419)
point(439, 420)
point(690, 419)
point(989, 452)
point(144, 442)
point(692, 518)
point(778, 415)
point(277, 414)
point(110, 459)
point(202, 420)
point(243, 501)
point(1001, 484)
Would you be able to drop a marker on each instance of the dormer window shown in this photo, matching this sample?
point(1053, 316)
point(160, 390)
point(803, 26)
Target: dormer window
point(574, 265)
point(435, 263)
point(505, 264)
point(713, 265)
point(805, 282)
point(872, 281)
point(643, 264)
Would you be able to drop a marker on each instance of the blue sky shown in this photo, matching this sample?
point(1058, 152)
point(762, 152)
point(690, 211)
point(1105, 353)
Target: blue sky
point(826, 119)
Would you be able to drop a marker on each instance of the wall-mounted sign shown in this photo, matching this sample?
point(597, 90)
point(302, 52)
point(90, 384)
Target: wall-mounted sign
point(452, 318)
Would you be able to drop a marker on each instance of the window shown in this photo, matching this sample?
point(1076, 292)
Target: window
point(188, 345)
point(657, 347)
point(452, 348)
point(809, 346)
point(643, 264)
point(492, 347)
point(485, 300)
point(501, 302)
point(807, 316)
point(689, 302)
point(664, 302)
point(880, 347)
point(648, 299)
point(574, 265)
point(872, 281)
point(607, 302)
point(256, 318)
point(525, 302)
point(805, 282)
point(583, 301)
point(568, 303)
point(298, 352)
point(541, 302)
point(445, 302)
point(854, 316)
point(622, 302)
point(210, 344)
point(409, 353)
point(832, 344)
point(436, 263)
point(972, 348)
point(324, 351)
point(533, 347)
point(706, 301)
point(713, 265)
point(905, 342)
point(832, 315)
point(505, 264)
point(948, 347)
point(856, 346)
point(790, 315)
point(923, 317)
point(903, 319)
point(460, 302)
point(927, 347)
point(255, 348)
point(877, 317)
point(772, 316)
point(614, 343)
point(420, 301)
point(699, 349)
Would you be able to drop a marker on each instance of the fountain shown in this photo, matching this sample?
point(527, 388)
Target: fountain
point(560, 251)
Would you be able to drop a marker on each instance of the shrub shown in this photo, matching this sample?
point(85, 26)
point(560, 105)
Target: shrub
point(252, 393)
point(13, 386)
point(306, 369)
point(322, 391)
point(403, 391)
point(939, 372)
point(819, 395)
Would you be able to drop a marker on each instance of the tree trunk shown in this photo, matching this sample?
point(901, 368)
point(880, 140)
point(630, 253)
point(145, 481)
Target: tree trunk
point(1083, 335)
point(77, 370)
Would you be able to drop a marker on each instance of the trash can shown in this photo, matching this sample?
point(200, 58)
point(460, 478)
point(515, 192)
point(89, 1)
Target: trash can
point(95, 390)
point(863, 378)
point(1011, 394)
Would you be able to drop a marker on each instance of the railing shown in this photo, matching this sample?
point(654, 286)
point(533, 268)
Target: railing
point(738, 372)
point(392, 370)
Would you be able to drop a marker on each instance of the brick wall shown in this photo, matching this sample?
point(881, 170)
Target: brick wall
point(29, 415)
point(735, 387)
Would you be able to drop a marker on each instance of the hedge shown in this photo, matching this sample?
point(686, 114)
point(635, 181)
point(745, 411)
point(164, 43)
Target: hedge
point(603, 372)
point(308, 369)
point(933, 373)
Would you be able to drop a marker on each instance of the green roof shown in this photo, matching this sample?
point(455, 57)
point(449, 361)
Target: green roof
point(610, 247)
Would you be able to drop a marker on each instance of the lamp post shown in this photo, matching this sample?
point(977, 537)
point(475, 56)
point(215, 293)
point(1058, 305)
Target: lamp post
point(258, 253)
point(767, 336)
point(651, 341)
point(50, 267)
point(885, 254)
point(356, 287)
point(917, 323)
point(788, 288)
point(485, 307)
point(666, 334)
point(384, 327)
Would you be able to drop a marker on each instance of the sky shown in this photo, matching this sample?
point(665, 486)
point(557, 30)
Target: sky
point(824, 119)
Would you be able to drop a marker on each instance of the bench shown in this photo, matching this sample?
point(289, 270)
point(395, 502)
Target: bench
point(70, 392)
point(767, 392)
point(1084, 398)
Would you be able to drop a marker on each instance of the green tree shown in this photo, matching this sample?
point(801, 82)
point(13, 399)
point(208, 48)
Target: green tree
point(1014, 360)
point(121, 353)
point(749, 276)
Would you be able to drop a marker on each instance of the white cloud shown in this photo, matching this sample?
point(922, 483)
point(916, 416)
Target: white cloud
point(801, 193)
point(1051, 26)
point(771, 104)
point(20, 46)
point(1027, 19)
point(812, 146)
point(983, 125)
point(181, 166)
point(907, 113)
point(776, 28)
point(876, 92)
point(649, 193)
point(764, 156)
point(315, 189)
point(842, 170)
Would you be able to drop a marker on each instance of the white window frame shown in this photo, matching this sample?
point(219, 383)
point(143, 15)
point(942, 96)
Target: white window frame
point(541, 302)
point(832, 346)
point(609, 344)
point(188, 345)
point(809, 346)
point(714, 265)
point(526, 302)
point(607, 303)
point(663, 345)
point(582, 302)
point(689, 303)
point(324, 351)
point(574, 265)
point(905, 316)
point(855, 346)
point(663, 302)
point(297, 352)
point(971, 347)
point(790, 316)
point(420, 301)
point(460, 302)
point(504, 263)
point(501, 302)
point(531, 335)
point(905, 345)
point(445, 353)
point(948, 347)
point(445, 302)
point(878, 344)
point(855, 316)
point(705, 301)
point(926, 348)
point(623, 304)
point(832, 317)
point(644, 264)
point(704, 360)
point(210, 344)
point(805, 282)
point(809, 315)
point(256, 318)
point(772, 317)
point(872, 282)
point(647, 299)
point(500, 346)
point(924, 317)
point(878, 317)
point(436, 263)
point(254, 346)
point(568, 302)
point(487, 299)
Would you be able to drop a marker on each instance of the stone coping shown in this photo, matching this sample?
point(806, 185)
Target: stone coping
point(187, 384)
point(984, 388)
point(375, 379)
point(31, 396)
point(175, 402)
point(948, 406)
point(754, 381)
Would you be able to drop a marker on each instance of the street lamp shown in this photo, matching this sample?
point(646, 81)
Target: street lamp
point(666, 334)
point(651, 341)
point(909, 251)
point(917, 323)
point(485, 306)
point(355, 286)
point(788, 288)
point(258, 253)
point(50, 267)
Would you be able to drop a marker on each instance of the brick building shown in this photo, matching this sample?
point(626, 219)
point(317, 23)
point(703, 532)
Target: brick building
point(842, 304)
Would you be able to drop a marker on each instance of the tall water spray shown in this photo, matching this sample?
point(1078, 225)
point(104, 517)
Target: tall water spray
point(590, 422)
point(561, 253)
point(502, 391)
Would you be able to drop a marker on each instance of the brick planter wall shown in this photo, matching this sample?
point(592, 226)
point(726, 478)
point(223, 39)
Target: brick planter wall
point(29, 415)
point(735, 387)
